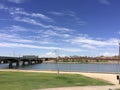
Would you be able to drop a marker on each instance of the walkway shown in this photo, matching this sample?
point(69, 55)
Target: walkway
point(85, 88)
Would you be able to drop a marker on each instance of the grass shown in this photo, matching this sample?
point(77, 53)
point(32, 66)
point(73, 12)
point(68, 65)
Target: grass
point(30, 81)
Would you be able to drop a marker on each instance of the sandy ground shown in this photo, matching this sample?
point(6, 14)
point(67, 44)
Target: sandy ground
point(84, 88)
point(108, 77)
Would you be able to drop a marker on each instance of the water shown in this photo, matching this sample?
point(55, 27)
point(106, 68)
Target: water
point(111, 68)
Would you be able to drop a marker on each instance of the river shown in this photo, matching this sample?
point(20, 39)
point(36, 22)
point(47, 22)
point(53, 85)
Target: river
point(70, 67)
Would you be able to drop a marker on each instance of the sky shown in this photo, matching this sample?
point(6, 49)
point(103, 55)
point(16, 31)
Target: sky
point(59, 27)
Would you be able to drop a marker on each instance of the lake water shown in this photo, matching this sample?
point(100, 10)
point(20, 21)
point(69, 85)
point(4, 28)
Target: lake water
point(111, 68)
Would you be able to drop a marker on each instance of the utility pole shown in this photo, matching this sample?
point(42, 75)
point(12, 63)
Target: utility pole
point(56, 53)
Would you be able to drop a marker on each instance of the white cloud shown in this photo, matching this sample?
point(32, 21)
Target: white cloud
point(6, 36)
point(89, 41)
point(57, 13)
point(50, 54)
point(17, 33)
point(12, 45)
point(37, 15)
point(21, 40)
point(108, 54)
point(40, 38)
point(64, 13)
point(107, 2)
point(72, 49)
point(16, 1)
point(10, 10)
point(4, 44)
point(13, 38)
point(28, 20)
point(15, 28)
point(17, 11)
point(20, 11)
point(95, 46)
point(88, 46)
point(49, 33)
point(71, 16)
point(65, 35)
point(34, 22)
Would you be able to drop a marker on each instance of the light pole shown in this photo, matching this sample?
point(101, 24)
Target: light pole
point(56, 52)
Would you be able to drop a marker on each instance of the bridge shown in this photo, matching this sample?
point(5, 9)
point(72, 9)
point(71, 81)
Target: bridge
point(25, 60)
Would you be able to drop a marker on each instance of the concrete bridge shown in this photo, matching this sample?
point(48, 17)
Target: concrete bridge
point(25, 60)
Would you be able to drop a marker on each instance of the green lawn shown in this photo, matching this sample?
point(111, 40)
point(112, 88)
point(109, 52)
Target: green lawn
point(30, 81)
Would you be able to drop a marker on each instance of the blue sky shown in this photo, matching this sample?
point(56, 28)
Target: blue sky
point(72, 27)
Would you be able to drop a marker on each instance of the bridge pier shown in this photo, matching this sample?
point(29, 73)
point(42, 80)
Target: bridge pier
point(5, 61)
point(13, 61)
point(17, 64)
point(36, 62)
point(10, 64)
point(39, 61)
point(23, 63)
point(29, 62)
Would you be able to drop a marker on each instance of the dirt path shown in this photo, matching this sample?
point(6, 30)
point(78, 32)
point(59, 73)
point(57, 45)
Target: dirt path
point(108, 77)
point(85, 88)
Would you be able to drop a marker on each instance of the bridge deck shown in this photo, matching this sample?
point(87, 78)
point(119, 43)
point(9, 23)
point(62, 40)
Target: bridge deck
point(17, 60)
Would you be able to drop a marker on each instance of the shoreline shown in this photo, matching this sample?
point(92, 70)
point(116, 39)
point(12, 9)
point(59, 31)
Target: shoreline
point(109, 62)
point(55, 71)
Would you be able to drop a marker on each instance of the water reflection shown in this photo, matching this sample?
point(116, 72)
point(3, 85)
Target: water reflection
point(69, 67)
